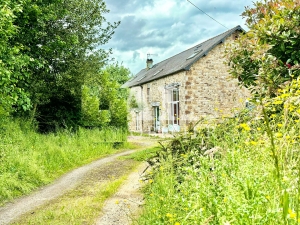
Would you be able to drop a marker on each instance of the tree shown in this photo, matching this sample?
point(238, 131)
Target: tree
point(12, 62)
point(268, 54)
point(62, 38)
point(111, 109)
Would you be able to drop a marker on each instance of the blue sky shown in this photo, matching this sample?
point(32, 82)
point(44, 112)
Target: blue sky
point(166, 27)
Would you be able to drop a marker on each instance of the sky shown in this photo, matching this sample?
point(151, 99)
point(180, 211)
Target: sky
point(164, 28)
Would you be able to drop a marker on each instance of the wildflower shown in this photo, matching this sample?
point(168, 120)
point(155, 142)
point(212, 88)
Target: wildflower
point(169, 215)
point(258, 128)
point(245, 126)
point(253, 143)
point(277, 102)
point(291, 108)
point(177, 223)
point(279, 124)
point(292, 214)
point(284, 95)
point(268, 197)
point(117, 202)
point(279, 135)
point(150, 181)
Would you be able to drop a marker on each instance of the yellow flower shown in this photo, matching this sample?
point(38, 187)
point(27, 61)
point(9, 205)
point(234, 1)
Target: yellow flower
point(177, 223)
point(291, 108)
point(279, 135)
point(285, 95)
point(292, 214)
point(279, 124)
point(258, 128)
point(268, 197)
point(253, 143)
point(169, 215)
point(277, 102)
point(245, 126)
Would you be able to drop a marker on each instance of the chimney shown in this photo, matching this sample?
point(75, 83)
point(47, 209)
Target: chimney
point(149, 63)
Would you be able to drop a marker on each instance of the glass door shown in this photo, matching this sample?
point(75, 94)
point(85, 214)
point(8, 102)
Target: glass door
point(156, 118)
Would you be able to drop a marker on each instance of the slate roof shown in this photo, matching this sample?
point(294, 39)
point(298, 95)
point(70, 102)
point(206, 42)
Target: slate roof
point(180, 62)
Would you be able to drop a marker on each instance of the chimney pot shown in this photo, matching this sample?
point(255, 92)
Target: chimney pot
point(149, 63)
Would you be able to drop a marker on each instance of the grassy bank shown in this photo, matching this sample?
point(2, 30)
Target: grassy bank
point(29, 160)
point(251, 175)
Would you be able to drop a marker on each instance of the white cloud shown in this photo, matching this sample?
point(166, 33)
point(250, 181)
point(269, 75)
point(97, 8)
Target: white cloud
point(167, 27)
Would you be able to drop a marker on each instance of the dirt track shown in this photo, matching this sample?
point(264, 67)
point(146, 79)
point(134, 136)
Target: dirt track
point(128, 195)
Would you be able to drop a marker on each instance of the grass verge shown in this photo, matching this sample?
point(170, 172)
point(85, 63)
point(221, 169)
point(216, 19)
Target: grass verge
point(29, 160)
point(83, 204)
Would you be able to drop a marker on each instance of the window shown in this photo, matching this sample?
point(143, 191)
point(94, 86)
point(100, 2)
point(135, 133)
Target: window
point(173, 106)
point(148, 94)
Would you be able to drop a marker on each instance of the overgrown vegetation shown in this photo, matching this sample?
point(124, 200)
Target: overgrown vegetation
point(242, 171)
point(29, 160)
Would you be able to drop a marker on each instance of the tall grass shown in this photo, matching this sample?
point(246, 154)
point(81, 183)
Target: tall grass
point(29, 160)
point(251, 177)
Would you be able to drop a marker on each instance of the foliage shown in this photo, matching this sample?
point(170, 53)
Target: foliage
point(111, 109)
point(60, 41)
point(91, 115)
point(12, 62)
point(268, 54)
point(51, 62)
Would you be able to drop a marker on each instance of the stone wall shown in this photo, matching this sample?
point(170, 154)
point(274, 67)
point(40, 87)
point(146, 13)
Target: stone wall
point(206, 90)
point(157, 96)
point(211, 91)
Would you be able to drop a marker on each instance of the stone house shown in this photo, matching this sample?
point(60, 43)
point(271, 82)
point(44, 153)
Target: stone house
point(186, 87)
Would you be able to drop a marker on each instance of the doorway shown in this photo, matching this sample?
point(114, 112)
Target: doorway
point(156, 118)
